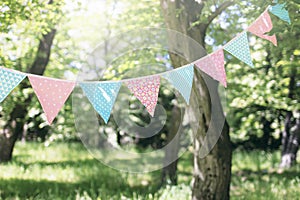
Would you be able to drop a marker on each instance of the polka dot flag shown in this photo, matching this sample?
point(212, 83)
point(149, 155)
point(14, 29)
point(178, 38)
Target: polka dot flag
point(213, 65)
point(146, 90)
point(263, 25)
point(8, 81)
point(239, 47)
point(182, 80)
point(102, 96)
point(52, 93)
point(280, 11)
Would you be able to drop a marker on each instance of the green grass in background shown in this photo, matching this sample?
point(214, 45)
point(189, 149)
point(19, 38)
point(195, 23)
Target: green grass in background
point(68, 171)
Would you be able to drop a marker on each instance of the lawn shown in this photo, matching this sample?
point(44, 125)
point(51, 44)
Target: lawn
point(68, 171)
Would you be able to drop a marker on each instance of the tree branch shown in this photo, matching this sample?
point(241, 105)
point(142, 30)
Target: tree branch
point(218, 11)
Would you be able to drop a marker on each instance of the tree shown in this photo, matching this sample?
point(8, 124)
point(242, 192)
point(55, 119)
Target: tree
point(265, 101)
point(290, 61)
point(13, 127)
point(211, 173)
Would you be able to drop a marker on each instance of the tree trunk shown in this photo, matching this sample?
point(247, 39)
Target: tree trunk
point(169, 172)
point(212, 156)
point(290, 142)
point(14, 127)
point(291, 133)
point(6, 147)
point(265, 140)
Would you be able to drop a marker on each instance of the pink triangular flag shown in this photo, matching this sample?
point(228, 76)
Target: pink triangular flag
point(52, 93)
point(146, 90)
point(213, 65)
point(263, 25)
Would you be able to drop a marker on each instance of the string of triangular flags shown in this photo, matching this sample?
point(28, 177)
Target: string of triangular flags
point(52, 93)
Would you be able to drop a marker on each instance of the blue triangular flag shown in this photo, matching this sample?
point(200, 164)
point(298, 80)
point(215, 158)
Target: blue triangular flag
point(239, 47)
point(182, 80)
point(8, 81)
point(102, 96)
point(280, 11)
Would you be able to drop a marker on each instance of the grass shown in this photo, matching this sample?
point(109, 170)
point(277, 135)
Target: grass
point(68, 171)
point(256, 176)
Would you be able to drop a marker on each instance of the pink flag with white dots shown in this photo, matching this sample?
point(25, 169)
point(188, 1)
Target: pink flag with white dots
point(52, 93)
point(146, 90)
point(263, 25)
point(213, 65)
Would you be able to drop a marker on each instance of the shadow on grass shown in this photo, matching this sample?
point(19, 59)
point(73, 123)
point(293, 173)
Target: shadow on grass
point(286, 174)
point(61, 164)
point(92, 178)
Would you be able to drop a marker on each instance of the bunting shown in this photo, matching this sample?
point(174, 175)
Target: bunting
point(280, 11)
point(213, 65)
point(8, 81)
point(182, 80)
point(146, 90)
point(262, 26)
point(239, 47)
point(102, 96)
point(51, 93)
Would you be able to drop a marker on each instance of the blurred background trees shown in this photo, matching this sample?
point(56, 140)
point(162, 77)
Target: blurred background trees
point(38, 18)
point(264, 102)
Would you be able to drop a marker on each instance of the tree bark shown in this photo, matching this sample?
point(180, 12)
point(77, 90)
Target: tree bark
point(290, 142)
point(212, 168)
point(169, 172)
point(291, 134)
point(14, 126)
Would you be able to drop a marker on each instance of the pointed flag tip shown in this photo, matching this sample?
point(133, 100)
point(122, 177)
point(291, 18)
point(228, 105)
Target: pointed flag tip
point(280, 11)
point(262, 26)
point(146, 90)
point(239, 47)
point(213, 65)
point(182, 80)
point(102, 96)
point(9, 80)
point(51, 93)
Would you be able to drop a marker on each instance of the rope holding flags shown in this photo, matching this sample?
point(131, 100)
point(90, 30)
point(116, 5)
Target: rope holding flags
point(53, 93)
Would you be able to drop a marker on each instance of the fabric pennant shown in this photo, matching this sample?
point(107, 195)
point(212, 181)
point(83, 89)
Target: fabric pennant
point(146, 90)
point(102, 96)
point(8, 81)
point(263, 25)
point(280, 11)
point(182, 80)
point(239, 47)
point(51, 93)
point(213, 65)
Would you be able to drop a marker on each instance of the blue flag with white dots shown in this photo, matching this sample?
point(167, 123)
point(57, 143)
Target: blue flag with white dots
point(102, 96)
point(8, 81)
point(239, 47)
point(182, 80)
point(280, 11)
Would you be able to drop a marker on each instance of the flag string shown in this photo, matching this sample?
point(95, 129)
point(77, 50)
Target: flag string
point(52, 92)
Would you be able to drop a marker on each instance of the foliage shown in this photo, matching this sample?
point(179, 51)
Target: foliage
point(67, 171)
point(25, 22)
point(260, 97)
point(257, 98)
